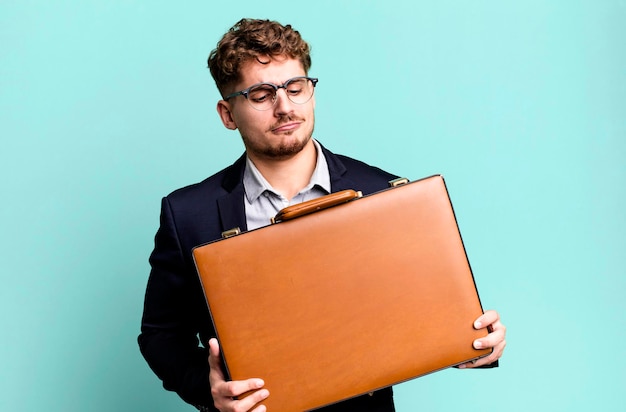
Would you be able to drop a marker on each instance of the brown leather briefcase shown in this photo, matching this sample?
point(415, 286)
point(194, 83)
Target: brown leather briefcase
point(333, 302)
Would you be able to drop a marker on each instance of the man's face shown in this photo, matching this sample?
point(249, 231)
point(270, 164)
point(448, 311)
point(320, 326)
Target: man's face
point(279, 132)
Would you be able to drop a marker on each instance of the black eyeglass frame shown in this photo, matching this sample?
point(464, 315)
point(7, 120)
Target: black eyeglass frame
point(246, 92)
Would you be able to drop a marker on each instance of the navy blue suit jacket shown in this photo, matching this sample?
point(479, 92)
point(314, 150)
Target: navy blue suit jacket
point(175, 312)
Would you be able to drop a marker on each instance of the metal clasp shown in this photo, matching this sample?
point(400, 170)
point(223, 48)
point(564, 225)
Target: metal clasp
point(398, 182)
point(231, 232)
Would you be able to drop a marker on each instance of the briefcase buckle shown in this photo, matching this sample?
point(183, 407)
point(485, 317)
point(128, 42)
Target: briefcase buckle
point(231, 232)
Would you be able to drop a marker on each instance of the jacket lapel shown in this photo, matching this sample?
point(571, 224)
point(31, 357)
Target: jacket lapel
point(337, 171)
point(231, 207)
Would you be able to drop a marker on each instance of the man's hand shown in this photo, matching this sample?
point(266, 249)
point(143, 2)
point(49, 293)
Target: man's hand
point(223, 391)
point(495, 339)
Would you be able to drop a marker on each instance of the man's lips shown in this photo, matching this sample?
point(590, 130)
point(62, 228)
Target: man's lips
point(285, 127)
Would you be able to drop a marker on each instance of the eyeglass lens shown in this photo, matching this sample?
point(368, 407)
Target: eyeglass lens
point(263, 96)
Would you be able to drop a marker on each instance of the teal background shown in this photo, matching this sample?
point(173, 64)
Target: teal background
point(106, 106)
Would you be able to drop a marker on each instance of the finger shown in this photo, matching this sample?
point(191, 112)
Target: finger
point(488, 318)
point(214, 348)
point(468, 365)
point(491, 358)
point(246, 404)
point(224, 396)
point(215, 374)
point(231, 389)
point(491, 340)
point(249, 401)
point(495, 354)
point(495, 337)
point(477, 363)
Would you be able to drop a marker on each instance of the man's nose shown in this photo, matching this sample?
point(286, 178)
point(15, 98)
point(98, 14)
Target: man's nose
point(283, 104)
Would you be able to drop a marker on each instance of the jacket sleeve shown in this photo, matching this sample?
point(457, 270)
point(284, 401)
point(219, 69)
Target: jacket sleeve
point(171, 318)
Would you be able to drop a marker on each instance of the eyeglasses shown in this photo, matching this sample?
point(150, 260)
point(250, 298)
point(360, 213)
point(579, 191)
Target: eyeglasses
point(262, 96)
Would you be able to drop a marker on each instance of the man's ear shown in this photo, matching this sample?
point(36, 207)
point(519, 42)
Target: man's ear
point(223, 110)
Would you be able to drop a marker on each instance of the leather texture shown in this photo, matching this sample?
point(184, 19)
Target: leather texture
point(315, 205)
point(347, 300)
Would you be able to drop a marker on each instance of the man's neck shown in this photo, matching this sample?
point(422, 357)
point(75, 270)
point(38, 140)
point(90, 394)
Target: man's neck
point(289, 176)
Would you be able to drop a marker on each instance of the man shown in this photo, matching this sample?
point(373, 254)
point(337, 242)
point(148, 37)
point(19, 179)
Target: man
point(261, 70)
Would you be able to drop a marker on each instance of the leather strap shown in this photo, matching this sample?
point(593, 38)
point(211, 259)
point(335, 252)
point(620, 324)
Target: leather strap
point(315, 205)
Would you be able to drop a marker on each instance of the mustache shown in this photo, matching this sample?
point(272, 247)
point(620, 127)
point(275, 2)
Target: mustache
point(284, 120)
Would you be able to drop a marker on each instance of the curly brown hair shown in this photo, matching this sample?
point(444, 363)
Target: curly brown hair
point(251, 39)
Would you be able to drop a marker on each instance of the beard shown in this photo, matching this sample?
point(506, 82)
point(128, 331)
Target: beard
point(280, 150)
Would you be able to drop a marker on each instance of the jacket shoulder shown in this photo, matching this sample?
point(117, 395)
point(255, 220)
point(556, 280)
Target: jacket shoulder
point(206, 188)
point(213, 187)
point(349, 173)
point(354, 166)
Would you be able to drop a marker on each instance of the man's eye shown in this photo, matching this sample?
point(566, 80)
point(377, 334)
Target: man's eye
point(260, 96)
point(296, 87)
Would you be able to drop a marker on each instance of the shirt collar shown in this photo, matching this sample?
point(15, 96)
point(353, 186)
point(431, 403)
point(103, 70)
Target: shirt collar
point(255, 184)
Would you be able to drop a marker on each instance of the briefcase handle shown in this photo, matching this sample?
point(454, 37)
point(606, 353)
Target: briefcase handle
point(315, 205)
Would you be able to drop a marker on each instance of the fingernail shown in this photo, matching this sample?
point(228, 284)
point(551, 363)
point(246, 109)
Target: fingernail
point(478, 324)
point(264, 393)
point(478, 344)
point(259, 383)
point(463, 366)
